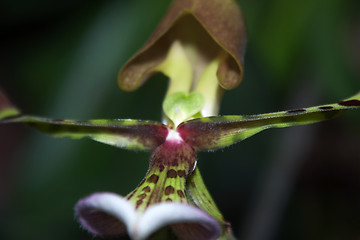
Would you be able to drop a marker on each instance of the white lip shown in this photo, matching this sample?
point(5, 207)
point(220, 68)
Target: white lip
point(173, 135)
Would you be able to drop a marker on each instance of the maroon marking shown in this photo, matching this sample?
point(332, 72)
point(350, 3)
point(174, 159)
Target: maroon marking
point(172, 153)
point(191, 132)
point(161, 167)
point(169, 190)
point(168, 200)
point(350, 103)
point(180, 193)
point(131, 195)
point(175, 161)
point(326, 107)
point(146, 189)
point(205, 135)
point(156, 133)
point(171, 173)
point(142, 182)
point(138, 203)
point(153, 178)
point(142, 196)
point(296, 111)
point(181, 173)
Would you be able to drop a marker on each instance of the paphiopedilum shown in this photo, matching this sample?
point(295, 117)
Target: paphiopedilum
point(199, 45)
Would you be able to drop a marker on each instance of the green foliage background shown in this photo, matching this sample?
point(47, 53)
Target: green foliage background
point(61, 59)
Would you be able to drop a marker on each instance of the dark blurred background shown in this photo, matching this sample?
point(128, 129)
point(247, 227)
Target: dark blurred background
point(61, 59)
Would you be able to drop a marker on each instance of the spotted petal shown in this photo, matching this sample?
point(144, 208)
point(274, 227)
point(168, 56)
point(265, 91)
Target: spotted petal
point(216, 132)
point(108, 214)
point(128, 134)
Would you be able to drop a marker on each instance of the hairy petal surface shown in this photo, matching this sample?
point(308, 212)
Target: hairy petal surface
point(128, 134)
point(216, 132)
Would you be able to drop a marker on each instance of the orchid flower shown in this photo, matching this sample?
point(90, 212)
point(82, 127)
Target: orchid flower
point(199, 46)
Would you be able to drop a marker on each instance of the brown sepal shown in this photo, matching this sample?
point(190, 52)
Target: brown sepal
point(220, 20)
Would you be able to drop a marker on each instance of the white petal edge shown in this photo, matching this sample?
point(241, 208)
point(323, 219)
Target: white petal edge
point(142, 225)
point(114, 205)
point(163, 214)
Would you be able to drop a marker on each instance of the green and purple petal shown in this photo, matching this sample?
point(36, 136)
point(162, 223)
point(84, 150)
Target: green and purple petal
point(217, 132)
point(128, 134)
point(122, 133)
